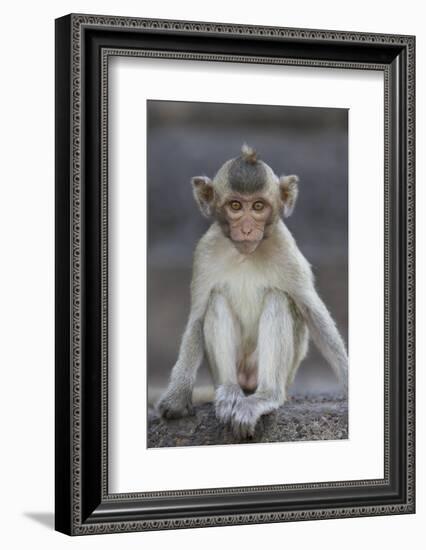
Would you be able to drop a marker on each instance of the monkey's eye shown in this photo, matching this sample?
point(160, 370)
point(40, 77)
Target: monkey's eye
point(235, 205)
point(258, 205)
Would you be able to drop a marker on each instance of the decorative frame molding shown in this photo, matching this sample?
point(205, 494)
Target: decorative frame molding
point(84, 43)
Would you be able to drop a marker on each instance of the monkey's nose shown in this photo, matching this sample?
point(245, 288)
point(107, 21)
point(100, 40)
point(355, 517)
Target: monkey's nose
point(247, 230)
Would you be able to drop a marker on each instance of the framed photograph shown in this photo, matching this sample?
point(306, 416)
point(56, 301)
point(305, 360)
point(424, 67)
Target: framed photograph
point(234, 274)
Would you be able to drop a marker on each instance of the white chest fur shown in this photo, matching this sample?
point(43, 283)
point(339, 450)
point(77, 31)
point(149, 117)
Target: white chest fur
point(244, 281)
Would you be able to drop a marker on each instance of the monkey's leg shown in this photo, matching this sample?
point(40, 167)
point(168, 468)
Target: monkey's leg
point(223, 341)
point(177, 400)
point(276, 357)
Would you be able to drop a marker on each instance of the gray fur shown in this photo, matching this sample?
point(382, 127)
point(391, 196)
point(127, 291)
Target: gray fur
point(177, 401)
point(325, 334)
point(251, 318)
point(281, 350)
point(227, 399)
point(246, 176)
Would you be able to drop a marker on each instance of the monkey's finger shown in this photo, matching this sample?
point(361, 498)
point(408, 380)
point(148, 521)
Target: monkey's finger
point(224, 412)
point(244, 431)
point(169, 412)
point(251, 429)
point(236, 429)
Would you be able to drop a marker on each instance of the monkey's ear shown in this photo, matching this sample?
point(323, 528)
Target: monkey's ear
point(289, 189)
point(204, 194)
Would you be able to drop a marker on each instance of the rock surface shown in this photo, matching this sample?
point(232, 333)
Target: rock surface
point(299, 419)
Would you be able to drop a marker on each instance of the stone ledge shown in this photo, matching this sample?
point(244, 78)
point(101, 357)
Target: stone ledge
point(299, 419)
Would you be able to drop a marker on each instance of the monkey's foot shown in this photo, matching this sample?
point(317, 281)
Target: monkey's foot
point(247, 412)
point(226, 399)
point(176, 405)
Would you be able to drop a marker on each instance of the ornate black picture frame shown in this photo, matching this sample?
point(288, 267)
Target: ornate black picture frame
point(84, 44)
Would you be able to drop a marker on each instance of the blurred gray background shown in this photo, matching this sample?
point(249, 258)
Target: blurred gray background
point(187, 139)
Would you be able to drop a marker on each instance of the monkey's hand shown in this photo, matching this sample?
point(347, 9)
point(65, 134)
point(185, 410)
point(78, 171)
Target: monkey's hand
point(247, 413)
point(226, 399)
point(176, 403)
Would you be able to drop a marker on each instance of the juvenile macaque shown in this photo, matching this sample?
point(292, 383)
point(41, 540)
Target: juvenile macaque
point(253, 300)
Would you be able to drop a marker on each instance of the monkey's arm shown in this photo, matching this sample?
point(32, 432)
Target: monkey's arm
point(298, 281)
point(177, 400)
point(324, 332)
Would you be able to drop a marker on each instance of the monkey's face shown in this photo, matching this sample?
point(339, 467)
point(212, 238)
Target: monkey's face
point(244, 218)
point(246, 198)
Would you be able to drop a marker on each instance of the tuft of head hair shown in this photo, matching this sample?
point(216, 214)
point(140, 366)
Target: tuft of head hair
point(248, 154)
